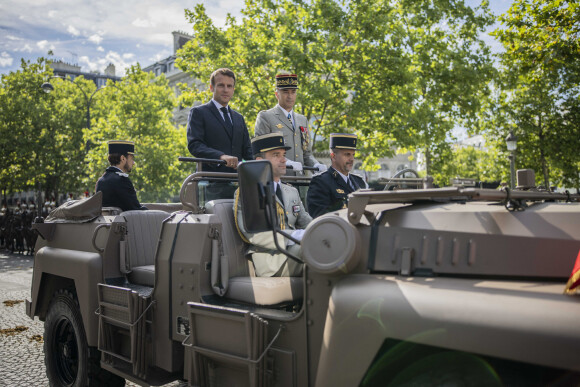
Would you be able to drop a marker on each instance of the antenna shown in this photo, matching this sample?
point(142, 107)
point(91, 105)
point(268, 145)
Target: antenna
point(75, 57)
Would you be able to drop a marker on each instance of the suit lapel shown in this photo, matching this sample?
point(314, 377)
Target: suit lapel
point(218, 117)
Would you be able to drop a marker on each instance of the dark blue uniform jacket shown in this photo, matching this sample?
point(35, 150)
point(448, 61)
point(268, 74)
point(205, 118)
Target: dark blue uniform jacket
point(328, 192)
point(118, 191)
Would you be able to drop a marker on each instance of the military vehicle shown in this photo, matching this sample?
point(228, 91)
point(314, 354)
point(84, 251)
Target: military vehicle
point(456, 285)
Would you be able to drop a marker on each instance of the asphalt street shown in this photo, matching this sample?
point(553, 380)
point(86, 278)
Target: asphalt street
point(21, 345)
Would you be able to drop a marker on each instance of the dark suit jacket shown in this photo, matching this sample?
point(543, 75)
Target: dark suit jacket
point(209, 137)
point(328, 192)
point(118, 191)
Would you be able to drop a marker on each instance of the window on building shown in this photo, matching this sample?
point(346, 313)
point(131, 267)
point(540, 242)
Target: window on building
point(170, 66)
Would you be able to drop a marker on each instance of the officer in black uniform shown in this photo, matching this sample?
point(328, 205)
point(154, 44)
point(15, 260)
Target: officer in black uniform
point(328, 190)
point(118, 191)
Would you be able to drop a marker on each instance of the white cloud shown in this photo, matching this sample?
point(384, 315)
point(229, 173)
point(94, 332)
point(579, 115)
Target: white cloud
point(12, 37)
point(42, 44)
point(101, 49)
point(128, 55)
point(52, 13)
point(96, 38)
point(143, 23)
point(73, 31)
point(25, 48)
point(5, 59)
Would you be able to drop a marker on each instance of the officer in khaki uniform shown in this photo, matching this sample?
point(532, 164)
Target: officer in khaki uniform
point(293, 126)
point(328, 191)
point(268, 261)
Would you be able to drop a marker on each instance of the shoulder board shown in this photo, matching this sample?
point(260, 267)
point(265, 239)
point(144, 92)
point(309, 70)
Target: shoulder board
point(357, 175)
point(122, 174)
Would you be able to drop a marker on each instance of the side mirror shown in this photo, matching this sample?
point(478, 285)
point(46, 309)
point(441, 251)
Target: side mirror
point(257, 196)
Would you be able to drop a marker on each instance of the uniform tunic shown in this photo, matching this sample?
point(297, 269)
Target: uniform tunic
point(118, 191)
point(274, 120)
point(328, 191)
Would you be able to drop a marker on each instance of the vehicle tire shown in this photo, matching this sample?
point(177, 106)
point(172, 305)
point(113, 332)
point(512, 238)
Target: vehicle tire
point(69, 360)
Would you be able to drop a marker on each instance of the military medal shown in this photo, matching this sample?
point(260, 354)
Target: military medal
point(296, 210)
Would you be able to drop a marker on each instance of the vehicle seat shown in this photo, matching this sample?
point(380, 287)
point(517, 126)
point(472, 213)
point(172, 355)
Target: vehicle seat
point(242, 284)
point(143, 230)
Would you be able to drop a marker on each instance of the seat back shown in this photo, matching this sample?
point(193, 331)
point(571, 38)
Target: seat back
point(233, 276)
point(143, 229)
point(234, 247)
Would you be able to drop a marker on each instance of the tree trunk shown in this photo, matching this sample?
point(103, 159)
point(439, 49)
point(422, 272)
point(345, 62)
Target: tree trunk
point(545, 170)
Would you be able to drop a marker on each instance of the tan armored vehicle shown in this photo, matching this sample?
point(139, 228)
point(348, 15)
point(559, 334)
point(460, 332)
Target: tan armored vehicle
point(456, 286)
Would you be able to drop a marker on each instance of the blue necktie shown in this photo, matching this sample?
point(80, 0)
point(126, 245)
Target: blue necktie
point(290, 119)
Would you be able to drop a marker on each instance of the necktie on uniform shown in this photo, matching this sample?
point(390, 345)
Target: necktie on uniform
point(290, 119)
point(279, 193)
point(351, 183)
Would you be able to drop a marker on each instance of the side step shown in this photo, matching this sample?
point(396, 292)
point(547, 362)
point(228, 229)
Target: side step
point(122, 327)
point(227, 338)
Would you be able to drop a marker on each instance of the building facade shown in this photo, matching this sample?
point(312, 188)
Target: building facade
point(67, 70)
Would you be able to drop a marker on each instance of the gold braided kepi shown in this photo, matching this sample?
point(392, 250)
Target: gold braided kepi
point(286, 81)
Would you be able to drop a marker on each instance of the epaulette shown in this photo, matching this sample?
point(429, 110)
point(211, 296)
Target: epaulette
point(123, 174)
point(357, 175)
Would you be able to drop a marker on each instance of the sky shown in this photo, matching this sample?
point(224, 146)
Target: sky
point(93, 34)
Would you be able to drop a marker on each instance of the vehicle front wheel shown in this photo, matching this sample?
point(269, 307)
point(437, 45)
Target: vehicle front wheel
point(69, 360)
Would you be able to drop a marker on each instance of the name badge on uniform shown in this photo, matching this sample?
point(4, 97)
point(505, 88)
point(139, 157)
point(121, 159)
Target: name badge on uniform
point(296, 209)
point(339, 191)
point(279, 126)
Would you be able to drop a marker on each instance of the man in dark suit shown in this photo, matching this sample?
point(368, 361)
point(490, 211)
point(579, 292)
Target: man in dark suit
point(118, 191)
point(215, 131)
point(328, 190)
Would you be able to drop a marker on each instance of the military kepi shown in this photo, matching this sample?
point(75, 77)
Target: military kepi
point(268, 142)
point(286, 81)
point(121, 147)
point(343, 141)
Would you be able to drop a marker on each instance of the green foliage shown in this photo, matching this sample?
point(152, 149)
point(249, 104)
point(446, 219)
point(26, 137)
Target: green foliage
point(139, 108)
point(540, 95)
point(45, 143)
point(398, 74)
point(470, 163)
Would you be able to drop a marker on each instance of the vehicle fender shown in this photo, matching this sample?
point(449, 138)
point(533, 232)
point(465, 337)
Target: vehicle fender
point(56, 268)
point(521, 321)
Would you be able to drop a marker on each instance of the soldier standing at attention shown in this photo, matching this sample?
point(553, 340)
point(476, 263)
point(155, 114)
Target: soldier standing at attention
point(293, 126)
point(328, 190)
point(118, 191)
point(268, 261)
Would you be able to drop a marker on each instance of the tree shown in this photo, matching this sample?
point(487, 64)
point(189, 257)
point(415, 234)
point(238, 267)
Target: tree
point(541, 74)
point(45, 143)
point(400, 74)
point(41, 139)
point(139, 108)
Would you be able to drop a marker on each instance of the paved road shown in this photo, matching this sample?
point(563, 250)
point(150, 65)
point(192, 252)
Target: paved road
point(21, 351)
point(21, 346)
